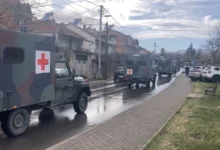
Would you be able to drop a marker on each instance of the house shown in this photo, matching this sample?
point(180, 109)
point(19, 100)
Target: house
point(93, 46)
point(68, 43)
point(124, 43)
point(14, 14)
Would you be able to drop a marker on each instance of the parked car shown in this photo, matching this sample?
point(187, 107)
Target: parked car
point(195, 73)
point(119, 74)
point(204, 73)
point(213, 74)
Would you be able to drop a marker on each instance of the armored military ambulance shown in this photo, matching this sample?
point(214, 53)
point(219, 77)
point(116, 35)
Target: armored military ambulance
point(32, 77)
point(139, 68)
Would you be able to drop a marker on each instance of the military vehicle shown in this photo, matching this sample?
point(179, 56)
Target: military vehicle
point(28, 80)
point(119, 74)
point(165, 67)
point(139, 68)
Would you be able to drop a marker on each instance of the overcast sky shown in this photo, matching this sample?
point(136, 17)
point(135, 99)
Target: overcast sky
point(148, 20)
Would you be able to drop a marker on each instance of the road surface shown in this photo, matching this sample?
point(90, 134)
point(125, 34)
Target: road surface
point(104, 104)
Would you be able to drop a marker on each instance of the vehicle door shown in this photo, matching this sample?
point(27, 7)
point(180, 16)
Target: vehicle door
point(64, 83)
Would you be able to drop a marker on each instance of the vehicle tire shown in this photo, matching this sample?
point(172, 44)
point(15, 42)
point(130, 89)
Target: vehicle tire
point(216, 78)
point(81, 104)
point(16, 122)
point(137, 85)
point(45, 114)
point(170, 75)
point(148, 85)
point(129, 85)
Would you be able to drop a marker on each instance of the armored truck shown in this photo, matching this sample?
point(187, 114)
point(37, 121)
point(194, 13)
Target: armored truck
point(139, 68)
point(33, 76)
point(165, 67)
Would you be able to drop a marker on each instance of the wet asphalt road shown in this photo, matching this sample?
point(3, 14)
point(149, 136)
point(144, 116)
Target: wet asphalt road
point(103, 105)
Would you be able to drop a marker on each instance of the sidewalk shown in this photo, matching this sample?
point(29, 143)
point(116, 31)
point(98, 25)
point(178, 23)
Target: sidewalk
point(131, 129)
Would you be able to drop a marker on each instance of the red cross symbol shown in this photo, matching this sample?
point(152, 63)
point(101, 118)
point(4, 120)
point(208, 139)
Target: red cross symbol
point(129, 71)
point(42, 61)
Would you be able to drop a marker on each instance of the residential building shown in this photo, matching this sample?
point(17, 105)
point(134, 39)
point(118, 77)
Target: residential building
point(93, 47)
point(123, 42)
point(14, 14)
point(69, 44)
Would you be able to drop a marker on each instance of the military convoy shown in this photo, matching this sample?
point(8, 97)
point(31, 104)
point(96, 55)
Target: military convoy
point(139, 69)
point(33, 77)
point(166, 67)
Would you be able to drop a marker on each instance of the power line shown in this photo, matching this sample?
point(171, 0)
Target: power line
point(119, 23)
point(161, 29)
point(91, 3)
point(60, 6)
point(81, 5)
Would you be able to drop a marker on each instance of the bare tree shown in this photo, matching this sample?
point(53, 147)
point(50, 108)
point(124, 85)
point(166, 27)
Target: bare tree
point(213, 43)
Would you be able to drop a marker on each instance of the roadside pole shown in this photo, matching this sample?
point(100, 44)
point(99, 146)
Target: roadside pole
point(106, 51)
point(100, 41)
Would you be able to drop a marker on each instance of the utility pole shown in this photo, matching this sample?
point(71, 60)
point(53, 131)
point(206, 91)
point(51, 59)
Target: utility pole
point(106, 51)
point(100, 39)
point(155, 46)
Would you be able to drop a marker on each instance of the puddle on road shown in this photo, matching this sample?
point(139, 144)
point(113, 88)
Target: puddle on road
point(67, 123)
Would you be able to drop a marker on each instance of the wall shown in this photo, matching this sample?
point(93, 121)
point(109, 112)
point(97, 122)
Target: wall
point(121, 41)
point(86, 44)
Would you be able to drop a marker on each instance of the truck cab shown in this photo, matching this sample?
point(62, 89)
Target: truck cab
point(32, 77)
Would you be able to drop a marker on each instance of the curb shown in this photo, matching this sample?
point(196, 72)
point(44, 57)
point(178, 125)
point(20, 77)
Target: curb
point(88, 130)
point(162, 127)
point(100, 84)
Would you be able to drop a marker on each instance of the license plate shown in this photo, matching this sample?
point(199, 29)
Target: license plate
point(121, 76)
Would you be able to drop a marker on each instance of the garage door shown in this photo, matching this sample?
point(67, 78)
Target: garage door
point(82, 65)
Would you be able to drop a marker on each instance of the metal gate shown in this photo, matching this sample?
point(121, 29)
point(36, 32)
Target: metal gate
point(82, 65)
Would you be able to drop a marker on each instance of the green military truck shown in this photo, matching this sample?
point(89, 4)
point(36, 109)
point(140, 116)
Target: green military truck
point(165, 67)
point(33, 77)
point(139, 69)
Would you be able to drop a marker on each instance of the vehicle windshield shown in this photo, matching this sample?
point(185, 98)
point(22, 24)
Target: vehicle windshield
point(61, 70)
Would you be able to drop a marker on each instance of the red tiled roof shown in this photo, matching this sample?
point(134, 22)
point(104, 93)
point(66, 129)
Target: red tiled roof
point(52, 27)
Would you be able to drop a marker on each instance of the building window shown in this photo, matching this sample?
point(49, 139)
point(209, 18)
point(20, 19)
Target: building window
point(112, 38)
point(81, 57)
point(13, 55)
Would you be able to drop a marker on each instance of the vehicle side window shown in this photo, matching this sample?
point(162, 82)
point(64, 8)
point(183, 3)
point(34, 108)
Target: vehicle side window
point(62, 70)
point(13, 55)
point(130, 62)
point(142, 63)
point(217, 69)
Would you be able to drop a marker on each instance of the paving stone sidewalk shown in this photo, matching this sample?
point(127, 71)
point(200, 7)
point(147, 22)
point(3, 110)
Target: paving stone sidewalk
point(131, 129)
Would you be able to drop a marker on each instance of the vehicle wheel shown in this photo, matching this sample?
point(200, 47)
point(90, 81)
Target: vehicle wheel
point(148, 85)
point(170, 75)
point(129, 85)
point(216, 79)
point(46, 114)
point(137, 85)
point(15, 122)
point(81, 104)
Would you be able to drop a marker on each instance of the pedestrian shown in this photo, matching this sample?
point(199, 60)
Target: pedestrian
point(187, 70)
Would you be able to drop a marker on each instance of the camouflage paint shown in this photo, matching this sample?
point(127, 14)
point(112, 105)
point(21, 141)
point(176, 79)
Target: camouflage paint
point(20, 79)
